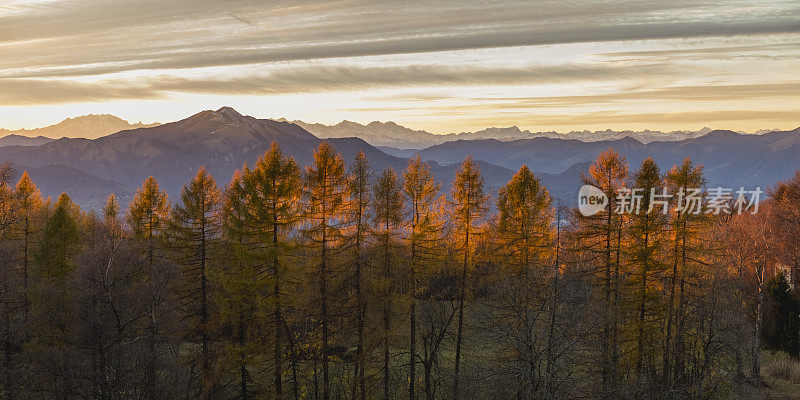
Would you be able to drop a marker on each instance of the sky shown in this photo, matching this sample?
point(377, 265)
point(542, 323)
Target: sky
point(442, 66)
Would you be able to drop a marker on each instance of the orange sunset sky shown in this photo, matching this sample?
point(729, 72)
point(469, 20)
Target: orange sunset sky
point(443, 66)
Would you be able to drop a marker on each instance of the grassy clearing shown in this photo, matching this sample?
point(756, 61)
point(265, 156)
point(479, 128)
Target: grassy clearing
point(782, 376)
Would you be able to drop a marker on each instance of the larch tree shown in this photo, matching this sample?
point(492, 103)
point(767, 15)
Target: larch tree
point(325, 195)
point(752, 242)
point(421, 193)
point(387, 221)
point(59, 246)
point(194, 231)
point(785, 199)
point(111, 215)
point(7, 174)
point(148, 216)
point(645, 251)
point(686, 183)
point(469, 208)
point(241, 291)
point(27, 223)
point(357, 214)
point(29, 204)
point(525, 219)
point(525, 235)
point(270, 211)
point(8, 299)
point(601, 235)
point(60, 241)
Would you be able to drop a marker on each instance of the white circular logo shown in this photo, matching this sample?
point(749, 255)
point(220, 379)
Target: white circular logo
point(591, 200)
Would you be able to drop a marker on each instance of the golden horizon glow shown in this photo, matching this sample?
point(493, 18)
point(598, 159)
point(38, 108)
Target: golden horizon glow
point(548, 66)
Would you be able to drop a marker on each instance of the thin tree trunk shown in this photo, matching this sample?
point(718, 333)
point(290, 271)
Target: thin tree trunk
point(9, 384)
point(606, 358)
point(756, 367)
point(386, 313)
point(679, 318)
point(554, 303)
point(413, 329)
point(642, 310)
point(411, 380)
point(670, 309)
point(616, 316)
point(428, 391)
point(386, 328)
point(360, 379)
point(316, 376)
point(204, 305)
point(25, 274)
point(278, 377)
point(151, 378)
point(324, 295)
point(459, 333)
point(242, 364)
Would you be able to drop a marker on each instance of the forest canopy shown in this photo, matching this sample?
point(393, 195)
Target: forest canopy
point(336, 281)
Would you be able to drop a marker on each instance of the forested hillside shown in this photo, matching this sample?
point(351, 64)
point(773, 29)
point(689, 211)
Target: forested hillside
point(339, 281)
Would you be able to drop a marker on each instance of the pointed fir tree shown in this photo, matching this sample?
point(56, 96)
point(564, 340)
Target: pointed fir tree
point(29, 206)
point(358, 218)
point(601, 235)
point(60, 241)
point(469, 208)
point(324, 196)
point(111, 216)
point(148, 215)
point(525, 219)
point(387, 221)
point(644, 250)
point(421, 193)
point(269, 211)
point(524, 237)
point(194, 231)
point(240, 289)
point(687, 220)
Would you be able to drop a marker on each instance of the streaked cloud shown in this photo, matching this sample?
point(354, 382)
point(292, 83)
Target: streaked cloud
point(514, 56)
point(19, 91)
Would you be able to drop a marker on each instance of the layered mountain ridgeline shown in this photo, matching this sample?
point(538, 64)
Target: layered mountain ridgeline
point(729, 158)
point(223, 140)
point(19, 140)
point(87, 126)
point(84, 189)
point(397, 139)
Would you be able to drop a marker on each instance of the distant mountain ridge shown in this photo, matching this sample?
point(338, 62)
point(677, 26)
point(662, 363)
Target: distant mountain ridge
point(90, 126)
point(223, 140)
point(19, 140)
point(729, 158)
point(392, 135)
point(85, 189)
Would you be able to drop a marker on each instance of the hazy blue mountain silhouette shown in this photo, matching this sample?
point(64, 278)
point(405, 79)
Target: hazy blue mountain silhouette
point(729, 158)
point(223, 140)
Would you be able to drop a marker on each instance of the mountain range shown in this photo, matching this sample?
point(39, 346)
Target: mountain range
point(19, 140)
point(90, 126)
point(729, 158)
point(399, 140)
point(223, 140)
